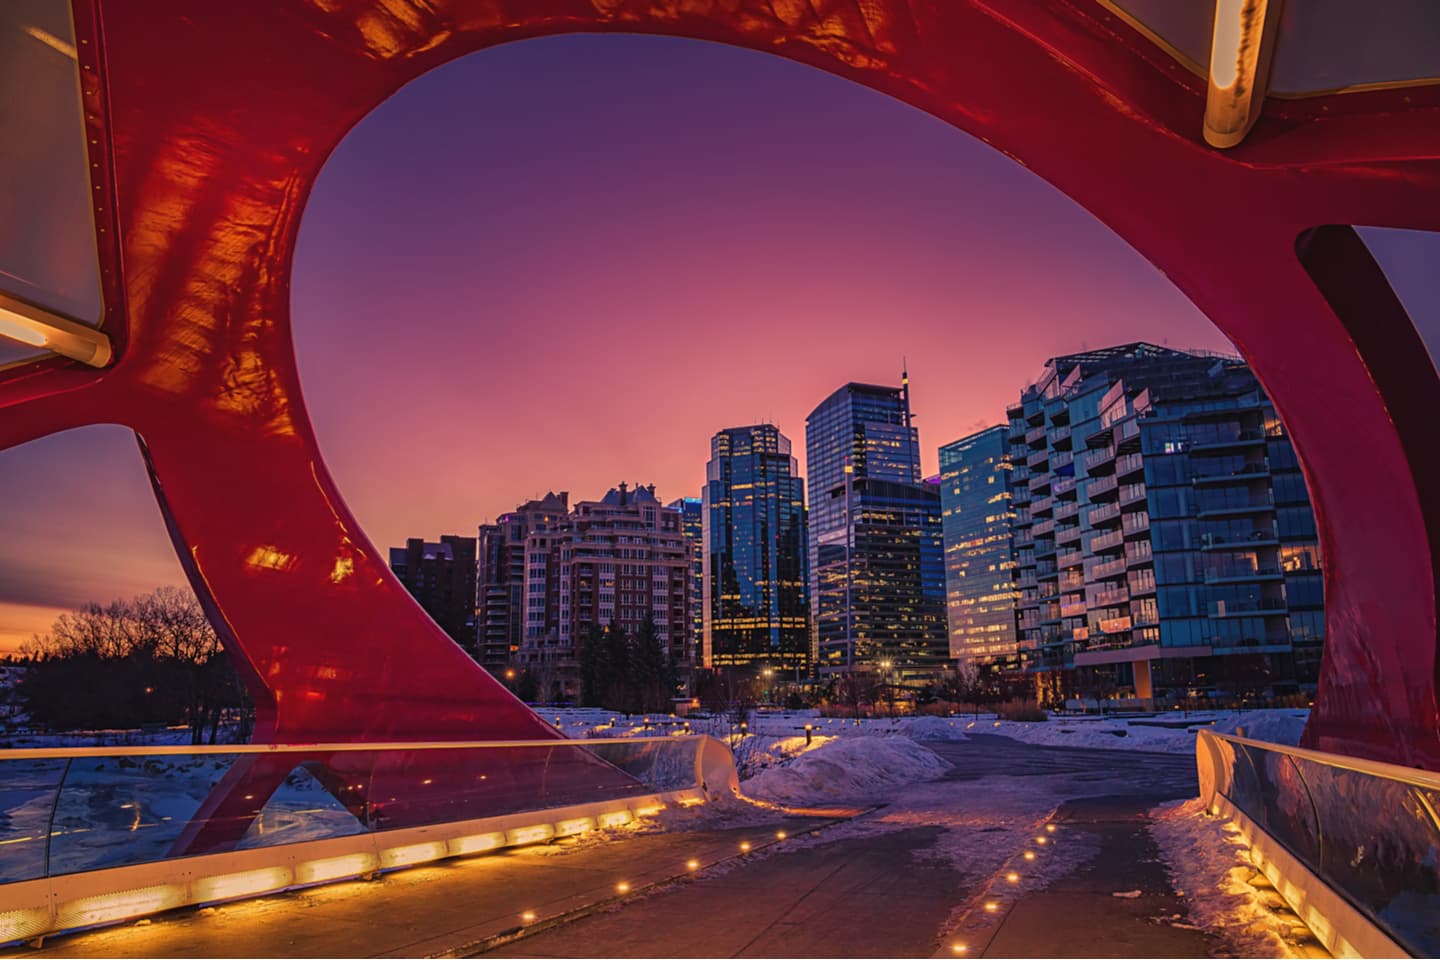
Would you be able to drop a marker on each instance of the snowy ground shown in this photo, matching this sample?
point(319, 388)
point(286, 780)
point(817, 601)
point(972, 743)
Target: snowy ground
point(989, 822)
point(1209, 864)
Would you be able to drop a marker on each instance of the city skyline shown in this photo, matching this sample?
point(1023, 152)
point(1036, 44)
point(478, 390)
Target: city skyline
point(952, 261)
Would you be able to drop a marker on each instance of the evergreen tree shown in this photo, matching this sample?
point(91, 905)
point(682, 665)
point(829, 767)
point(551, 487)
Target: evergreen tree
point(650, 681)
point(616, 669)
point(594, 669)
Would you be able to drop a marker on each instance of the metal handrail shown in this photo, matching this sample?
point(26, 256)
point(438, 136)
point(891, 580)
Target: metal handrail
point(1390, 771)
point(56, 753)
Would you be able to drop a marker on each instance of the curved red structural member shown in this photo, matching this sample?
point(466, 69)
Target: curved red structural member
point(211, 121)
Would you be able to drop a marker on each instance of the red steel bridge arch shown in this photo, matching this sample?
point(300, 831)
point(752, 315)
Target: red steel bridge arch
point(209, 122)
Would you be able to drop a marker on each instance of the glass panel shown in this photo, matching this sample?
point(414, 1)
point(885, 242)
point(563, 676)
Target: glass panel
point(47, 228)
point(1380, 849)
point(1330, 44)
point(27, 796)
point(300, 809)
point(113, 811)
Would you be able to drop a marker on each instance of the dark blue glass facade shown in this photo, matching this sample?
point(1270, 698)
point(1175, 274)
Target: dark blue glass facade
point(1164, 539)
point(975, 517)
point(877, 576)
point(756, 610)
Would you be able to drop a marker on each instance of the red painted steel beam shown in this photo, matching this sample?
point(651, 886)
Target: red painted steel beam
point(213, 120)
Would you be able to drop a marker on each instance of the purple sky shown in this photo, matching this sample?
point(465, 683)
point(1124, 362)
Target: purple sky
point(564, 263)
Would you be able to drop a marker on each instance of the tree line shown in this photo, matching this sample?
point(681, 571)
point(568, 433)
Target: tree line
point(151, 659)
point(624, 673)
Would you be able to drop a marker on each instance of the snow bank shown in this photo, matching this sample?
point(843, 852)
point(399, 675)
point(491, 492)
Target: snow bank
point(931, 728)
point(1208, 862)
point(847, 770)
point(1272, 726)
point(1140, 733)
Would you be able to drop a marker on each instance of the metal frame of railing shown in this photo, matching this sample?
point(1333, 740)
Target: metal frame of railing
point(1352, 845)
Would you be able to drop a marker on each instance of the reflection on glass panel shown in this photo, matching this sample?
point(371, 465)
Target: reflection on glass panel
point(97, 812)
point(27, 795)
point(1408, 258)
point(115, 811)
point(47, 229)
point(300, 809)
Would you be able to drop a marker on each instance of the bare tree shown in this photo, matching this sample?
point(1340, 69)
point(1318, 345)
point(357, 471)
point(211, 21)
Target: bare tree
point(151, 659)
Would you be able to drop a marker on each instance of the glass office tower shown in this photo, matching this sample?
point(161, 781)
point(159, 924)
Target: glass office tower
point(877, 579)
point(975, 518)
point(756, 612)
point(692, 524)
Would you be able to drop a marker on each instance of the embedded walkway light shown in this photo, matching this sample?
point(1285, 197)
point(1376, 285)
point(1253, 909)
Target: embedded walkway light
point(35, 327)
point(1240, 55)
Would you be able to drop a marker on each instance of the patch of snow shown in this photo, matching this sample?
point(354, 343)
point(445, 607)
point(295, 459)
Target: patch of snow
point(931, 728)
point(1208, 862)
point(1272, 726)
point(848, 770)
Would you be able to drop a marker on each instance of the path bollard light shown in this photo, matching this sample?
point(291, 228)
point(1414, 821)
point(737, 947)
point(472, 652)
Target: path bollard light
point(780, 834)
point(692, 865)
point(809, 733)
point(991, 906)
point(528, 916)
point(1049, 828)
point(958, 948)
point(1029, 854)
point(622, 887)
point(744, 846)
point(1012, 877)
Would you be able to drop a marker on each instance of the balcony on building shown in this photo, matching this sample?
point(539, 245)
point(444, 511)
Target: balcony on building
point(1102, 488)
point(1099, 461)
point(1229, 440)
point(1105, 514)
point(1132, 493)
point(1035, 437)
point(1258, 469)
point(1068, 534)
point(1070, 558)
point(1136, 524)
point(1040, 482)
point(1112, 598)
point(1108, 569)
point(1129, 464)
point(1108, 542)
point(1060, 438)
point(1042, 528)
point(1242, 573)
point(1259, 537)
point(1041, 506)
point(1064, 487)
point(1066, 509)
point(1138, 553)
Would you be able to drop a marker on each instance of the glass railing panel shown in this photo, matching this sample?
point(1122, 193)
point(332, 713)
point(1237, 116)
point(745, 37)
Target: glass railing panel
point(1381, 846)
point(114, 811)
point(28, 789)
point(96, 811)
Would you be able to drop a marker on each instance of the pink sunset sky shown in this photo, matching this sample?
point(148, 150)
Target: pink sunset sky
point(565, 263)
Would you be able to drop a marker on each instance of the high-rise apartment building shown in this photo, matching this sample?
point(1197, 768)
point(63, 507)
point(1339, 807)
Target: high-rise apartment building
point(877, 580)
point(622, 559)
point(501, 576)
point(1164, 537)
point(975, 518)
point(756, 612)
point(692, 524)
point(441, 577)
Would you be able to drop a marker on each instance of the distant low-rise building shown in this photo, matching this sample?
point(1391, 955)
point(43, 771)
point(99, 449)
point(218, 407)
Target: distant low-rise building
point(501, 576)
point(441, 577)
point(619, 560)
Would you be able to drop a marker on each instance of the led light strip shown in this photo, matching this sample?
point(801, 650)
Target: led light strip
point(1240, 56)
point(35, 327)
